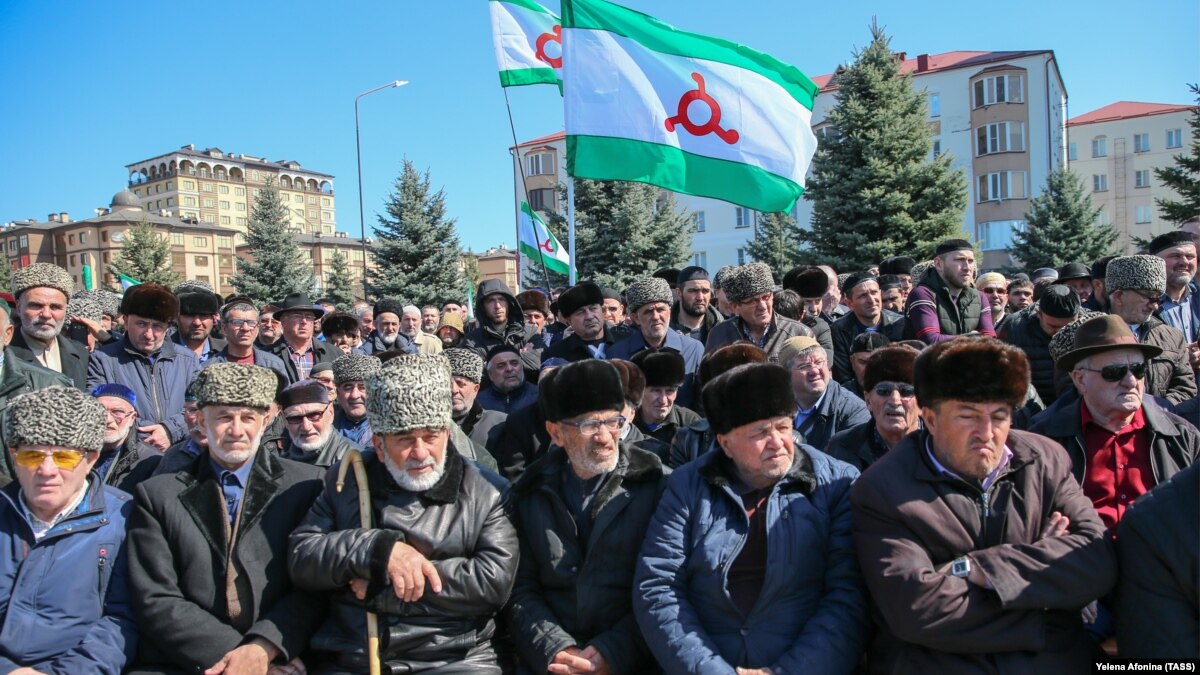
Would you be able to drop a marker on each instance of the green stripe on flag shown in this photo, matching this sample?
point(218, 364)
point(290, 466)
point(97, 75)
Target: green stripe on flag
point(664, 38)
point(527, 4)
point(553, 264)
point(680, 171)
point(523, 76)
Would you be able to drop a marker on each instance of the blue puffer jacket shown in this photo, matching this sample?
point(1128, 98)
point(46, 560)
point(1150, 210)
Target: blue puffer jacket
point(64, 601)
point(159, 384)
point(811, 616)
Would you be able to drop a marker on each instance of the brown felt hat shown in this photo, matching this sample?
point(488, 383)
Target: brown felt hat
point(1102, 334)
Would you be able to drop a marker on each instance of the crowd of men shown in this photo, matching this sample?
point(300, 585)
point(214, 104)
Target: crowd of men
point(914, 468)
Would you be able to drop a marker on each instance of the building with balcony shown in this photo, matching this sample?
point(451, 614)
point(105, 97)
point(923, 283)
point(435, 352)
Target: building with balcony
point(85, 248)
point(1115, 149)
point(1000, 114)
point(218, 188)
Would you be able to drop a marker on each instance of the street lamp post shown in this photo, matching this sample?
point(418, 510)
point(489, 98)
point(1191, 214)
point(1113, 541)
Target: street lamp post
point(362, 223)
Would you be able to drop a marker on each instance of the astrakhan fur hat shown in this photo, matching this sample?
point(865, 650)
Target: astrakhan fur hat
point(42, 274)
point(748, 393)
point(748, 281)
point(233, 384)
point(411, 391)
point(87, 304)
point(979, 370)
point(647, 290)
point(59, 416)
point(465, 363)
point(1136, 272)
point(150, 301)
point(355, 368)
point(581, 387)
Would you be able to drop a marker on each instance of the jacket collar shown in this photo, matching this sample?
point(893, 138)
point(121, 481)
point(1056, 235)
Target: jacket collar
point(1022, 454)
point(445, 491)
point(167, 351)
point(1066, 422)
point(718, 470)
point(89, 515)
point(202, 496)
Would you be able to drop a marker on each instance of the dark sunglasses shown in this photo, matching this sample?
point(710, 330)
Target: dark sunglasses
point(884, 390)
point(1116, 372)
point(314, 416)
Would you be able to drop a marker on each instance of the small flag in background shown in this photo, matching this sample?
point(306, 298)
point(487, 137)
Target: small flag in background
point(528, 42)
point(690, 113)
point(127, 281)
point(538, 243)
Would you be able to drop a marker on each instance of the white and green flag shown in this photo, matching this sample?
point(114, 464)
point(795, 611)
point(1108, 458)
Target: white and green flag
point(539, 244)
point(528, 42)
point(690, 113)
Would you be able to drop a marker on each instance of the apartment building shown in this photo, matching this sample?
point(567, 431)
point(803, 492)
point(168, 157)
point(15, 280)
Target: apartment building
point(1115, 149)
point(218, 188)
point(319, 250)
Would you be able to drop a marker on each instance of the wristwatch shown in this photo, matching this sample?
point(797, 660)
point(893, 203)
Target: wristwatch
point(961, 567)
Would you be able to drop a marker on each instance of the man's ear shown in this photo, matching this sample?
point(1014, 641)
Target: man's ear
point(556, 433)
point(272, 413)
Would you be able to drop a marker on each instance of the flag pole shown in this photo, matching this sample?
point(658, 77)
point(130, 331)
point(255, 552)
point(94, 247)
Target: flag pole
point(525, 191)
point(571, 224)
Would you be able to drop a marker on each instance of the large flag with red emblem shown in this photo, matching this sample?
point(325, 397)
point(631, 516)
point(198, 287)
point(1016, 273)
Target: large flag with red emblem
point(528, 43)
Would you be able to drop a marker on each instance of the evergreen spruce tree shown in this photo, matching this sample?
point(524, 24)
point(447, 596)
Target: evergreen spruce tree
point(5, 276)
point(625, 230)
point(278, 267)
point(776, 242)
point(340, 286)
point(1184, 176)
point(875, 191)
point(1060, 226)
point(145, 256)
point(417, 257)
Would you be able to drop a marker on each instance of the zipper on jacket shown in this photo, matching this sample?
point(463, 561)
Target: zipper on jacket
point(154, 393)
point(101, 562)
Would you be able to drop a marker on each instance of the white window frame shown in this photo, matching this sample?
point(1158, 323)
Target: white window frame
point(539, 163)
point(1100, 146)
point(1141, 178)
point(998, 137)
point(1001, 186)
point(1099, 182)
point(1141, 142)
point(1072, 151)
point(698, 224)
point(1143, 215)
point(1011, 91)
point(1174, 138)
point(743, 218)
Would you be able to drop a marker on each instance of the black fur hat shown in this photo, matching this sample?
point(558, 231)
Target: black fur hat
point(748, 393)
point(900, 264)
point(980, 370)
point(339, 323)
point(727, 358)
point(198, 302)
point(807, 282)
point(579, 296)
point(580, 387)
point(893, 363)
point(150, 301)
point(662, 367)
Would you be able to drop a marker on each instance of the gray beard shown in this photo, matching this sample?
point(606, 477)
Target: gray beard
point(389, 339)
point(309, 446)
point(419, 484)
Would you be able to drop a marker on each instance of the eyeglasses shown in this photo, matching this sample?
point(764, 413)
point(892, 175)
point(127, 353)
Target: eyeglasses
point(63, 459)
point(884, 390)
point(314, 416)
point(807, 366)
point(1116, 372)
point(121, 415)
point(242, 323)
point(592, 427)
point(1149, 296)
point(995, 291)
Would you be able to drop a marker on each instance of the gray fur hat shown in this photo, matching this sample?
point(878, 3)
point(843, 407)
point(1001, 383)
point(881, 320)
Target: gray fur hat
point(91, 305)
point(191, 286)
point(1136, 272)
point(411, 391)
point(465, 363)
point(42, 274)
point(60, 416)
point(111, 302)
point(748, 281)
point(721, 275)
point(647, 290)
point(919, 270)
point(355, 368)
point(236, 385)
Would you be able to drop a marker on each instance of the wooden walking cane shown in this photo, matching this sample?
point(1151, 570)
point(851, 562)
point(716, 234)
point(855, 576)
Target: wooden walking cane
point(354, 457)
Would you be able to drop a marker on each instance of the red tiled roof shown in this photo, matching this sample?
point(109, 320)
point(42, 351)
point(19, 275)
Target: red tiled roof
point(558, 136)
point(944, 61)
point(1124, 110)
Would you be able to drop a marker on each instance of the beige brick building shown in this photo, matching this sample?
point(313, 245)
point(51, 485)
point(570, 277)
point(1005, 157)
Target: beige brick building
point(218, 188)
point(499, 263)
point(1115, 149)
point(319, 250)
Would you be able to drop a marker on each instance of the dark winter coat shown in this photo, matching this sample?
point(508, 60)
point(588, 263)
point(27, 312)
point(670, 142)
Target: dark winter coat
point(119, 473)
point(483, 427)
point(858, 446)
point(691, 351)
point(812, 613)
point(572, 348)
point(215, 346)
point(514, 332)
point(159, 383)
point(822, 333)
point(729, 331)
point(74, 357)
point(524, 438)
point(64, 600)
point(327, 455)
point(844, 332)
point(910, 519)
point(678, 418)
point(180, 557)
point(1024, 331)
point(1169, 375)
point(571, 593)
point(490, 399)
point(1158, 597)
point(322, 352)
point(21, 377)
point(697, 438)
point(460, 524)
point(712, 317)
point(1174, 443)
point(837, 410)
point(374, 344)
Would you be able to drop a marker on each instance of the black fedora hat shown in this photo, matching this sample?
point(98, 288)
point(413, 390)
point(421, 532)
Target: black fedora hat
point(294, 302)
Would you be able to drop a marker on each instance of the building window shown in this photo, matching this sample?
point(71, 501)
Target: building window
point(1072, 151)
point(170, 186)
point(226, 261)
point(239, 206)
point(71, 260)
point(540, 164)
point(83, 237)
point(223, 189)
point(71, 239)
point(158, 188)
point(207, 187)
point(103, 236)
point(312, 200)
point(998, 234)
point(170, 202)
point(700, 259)
point(937, 148)
point(177, 259)
point(999, 89)
point(224, 205)
point(200, 260)
point(189, 201)
point(935, 105)
point(1143, 215)
point(208, 203)
point(312, 213)
point(1002, 185)
point(741, 256)
point(209, 218)
point(743, 217)
point(1141, 142)
point(224, 242)
point(224, 220)
point(299, 199)
point(1100, 147)
point(240, 221)
point(1000, 137)
point(1174, 138)
point(189, 185)
point(698, 221)
point(1141, 178)
point(24, 241)
point(1100, 182)
point(200, 241)
point(299, 212)
point(107, 257)
point(240, 192)
point(326, 202)
point(177, 239)
point(542, 200)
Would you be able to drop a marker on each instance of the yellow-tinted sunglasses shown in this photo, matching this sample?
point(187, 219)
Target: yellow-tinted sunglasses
point(63, 458)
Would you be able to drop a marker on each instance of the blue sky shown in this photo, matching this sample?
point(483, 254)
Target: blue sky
point(91, 86)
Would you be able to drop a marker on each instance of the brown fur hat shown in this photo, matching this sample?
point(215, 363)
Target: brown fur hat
point(748, 393)
point(893, 363)
point(150, 301)
point(633, 380)
point(339, 323)
point(727, 358)
point(534, 301)
point(979, 370)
